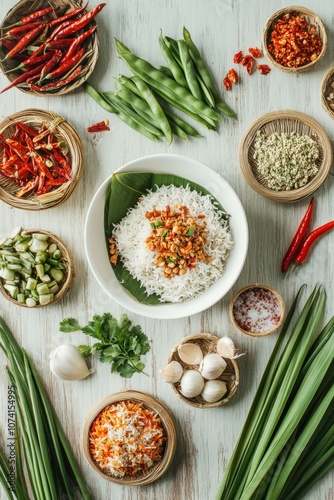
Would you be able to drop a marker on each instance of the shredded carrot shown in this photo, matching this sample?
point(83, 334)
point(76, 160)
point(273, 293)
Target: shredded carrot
point(126, 439)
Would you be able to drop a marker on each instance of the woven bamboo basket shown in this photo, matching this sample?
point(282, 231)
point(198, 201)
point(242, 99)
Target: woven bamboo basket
point(277, 296)
point(327, 89)
point(152, 403)
point(26, 7)
point(284, 121)
point(311, 18)
point(208, 343)
point(69, 273)
point(65, 132)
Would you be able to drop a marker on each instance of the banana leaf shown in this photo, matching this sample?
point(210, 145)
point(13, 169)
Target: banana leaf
point(124, 192)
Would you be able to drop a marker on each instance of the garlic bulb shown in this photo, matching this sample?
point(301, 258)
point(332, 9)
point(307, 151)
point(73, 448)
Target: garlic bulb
point(172, 372)
point(67, 363)
point(191, 384)
point(190, 353)
point(226, 348)
point(212, 366)
point(213, 390)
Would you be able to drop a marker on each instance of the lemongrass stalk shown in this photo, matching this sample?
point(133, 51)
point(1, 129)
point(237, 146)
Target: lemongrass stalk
point(293, 415)
point(4, 474)
point(251, 430)
point(290, 374)
point(20, 482)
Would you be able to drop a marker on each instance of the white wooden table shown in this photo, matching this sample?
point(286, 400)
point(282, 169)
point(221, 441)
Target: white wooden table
point(205, 437)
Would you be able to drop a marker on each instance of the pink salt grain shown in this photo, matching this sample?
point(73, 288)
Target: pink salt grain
point(257, 310)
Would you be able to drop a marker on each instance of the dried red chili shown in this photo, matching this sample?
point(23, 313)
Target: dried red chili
point(237, 57)
point(227, 83)
point(248, 61)
point(99, 127)
point(263, 68)
point(294, 42)
point(232, 75)
point(255, 52)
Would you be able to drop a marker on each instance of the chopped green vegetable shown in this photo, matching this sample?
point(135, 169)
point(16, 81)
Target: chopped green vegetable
point(119, 343)
point(191, 230)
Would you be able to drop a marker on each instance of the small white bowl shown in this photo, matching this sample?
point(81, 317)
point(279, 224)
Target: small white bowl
point(96, 248)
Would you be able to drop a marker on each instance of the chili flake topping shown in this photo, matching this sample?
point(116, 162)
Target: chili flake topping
point(294, 42)
point(257, 310)
point(126, 439)
point(178, 239)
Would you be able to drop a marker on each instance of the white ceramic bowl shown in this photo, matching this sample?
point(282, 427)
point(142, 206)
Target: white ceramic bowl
point(187, 168)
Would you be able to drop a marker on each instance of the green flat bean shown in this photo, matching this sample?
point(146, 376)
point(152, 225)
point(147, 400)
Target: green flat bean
point(189, 70)
point(206, 92)
point(137, 103)
point(173, 47)
point(166, 71)
point(205, 75)
point(158, 80)
point(155, 107)
point(95, 94)
point(188, 129)
point(174, 67)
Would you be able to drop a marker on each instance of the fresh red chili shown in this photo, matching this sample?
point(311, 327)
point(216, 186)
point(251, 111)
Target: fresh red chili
point(23, 78)
point(57, 55)
point(64, 43)
point(59, 83)
point(82, 22)
point(311, 239)
point(69, 15)
point(298, 237)
point(66, 66)
point(35, 15)
point(29, 37)
point(99, 127)
point(22, 30)
point(77, 42)
point(31, 62)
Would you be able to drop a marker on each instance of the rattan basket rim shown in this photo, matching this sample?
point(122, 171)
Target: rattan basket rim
point(315, 20)
point(329, 75)
point(69, 275)
point(231, 375)
point(66, 132)
point(25, 7)
point(167, 419)
point(278, 120)
point(249, 287)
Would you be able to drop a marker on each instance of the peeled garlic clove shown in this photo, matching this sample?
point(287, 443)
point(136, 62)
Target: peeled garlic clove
point(213, 390)
point(67, 363)
point(172, 372)
point(191, 384)
point(226, 348)
point(190, 353)
point(212, 366)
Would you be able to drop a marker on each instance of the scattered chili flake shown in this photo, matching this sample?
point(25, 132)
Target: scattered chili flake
point(232, 75)
point(227, 83)
point(237, 57)
point(257, 310)
point(294, 42)
point(99, 127)
point(263, 68)
point(255, 52)
point(248, 61)
point(126, 439)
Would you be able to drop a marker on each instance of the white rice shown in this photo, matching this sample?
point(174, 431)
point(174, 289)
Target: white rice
point(132, 231)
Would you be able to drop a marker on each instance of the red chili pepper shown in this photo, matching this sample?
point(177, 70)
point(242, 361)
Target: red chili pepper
point(298, 237)
point(248, 61)
point(237, 57)
point(227, 82)
point(66, 66)
point(31, 62)
point(23, 78)
point(64, 43)
point(77, 42)
point(255, 52)
point(67, 16)
point(35, 15)
point(27, 129)
point(82, 22)
point(57, 55)
point(232, 75)
point(29, 37)
point(310, 240)
point(263, 68)
point(18, 31)
point(30, 186)
point(63, 162)
point(59, 83)
point(99, 127)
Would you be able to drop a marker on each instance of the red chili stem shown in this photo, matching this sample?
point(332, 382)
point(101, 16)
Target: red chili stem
point(82, 22)
point(31, 62)
point(311, 239)
point(77, 42)
point(298, 237)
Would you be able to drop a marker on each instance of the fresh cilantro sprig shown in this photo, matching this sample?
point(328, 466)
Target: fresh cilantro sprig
point(119, 343)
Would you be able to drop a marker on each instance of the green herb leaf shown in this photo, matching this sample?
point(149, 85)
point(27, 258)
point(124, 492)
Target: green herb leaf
point(69, 325)
point(85, 350)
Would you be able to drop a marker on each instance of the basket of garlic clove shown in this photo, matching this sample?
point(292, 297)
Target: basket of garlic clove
point(203, 371)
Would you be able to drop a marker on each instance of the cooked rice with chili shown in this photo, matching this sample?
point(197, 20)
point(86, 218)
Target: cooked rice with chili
point(126, 439)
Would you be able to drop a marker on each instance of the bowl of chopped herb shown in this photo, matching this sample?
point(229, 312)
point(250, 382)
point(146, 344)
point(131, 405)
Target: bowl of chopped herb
point(294, 39)
point(140, 441)
point(285, 156)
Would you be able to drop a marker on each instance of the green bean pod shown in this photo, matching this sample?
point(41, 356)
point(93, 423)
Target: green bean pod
point(174, 67)
point(137, 103)
point(189, 70)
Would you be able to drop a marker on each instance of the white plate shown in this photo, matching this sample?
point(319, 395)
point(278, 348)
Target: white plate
point(95, 244)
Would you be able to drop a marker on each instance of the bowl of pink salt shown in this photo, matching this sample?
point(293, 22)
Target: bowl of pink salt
point(257, 310)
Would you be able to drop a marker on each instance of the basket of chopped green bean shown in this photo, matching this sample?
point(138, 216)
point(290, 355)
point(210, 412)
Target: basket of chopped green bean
point(36, 268)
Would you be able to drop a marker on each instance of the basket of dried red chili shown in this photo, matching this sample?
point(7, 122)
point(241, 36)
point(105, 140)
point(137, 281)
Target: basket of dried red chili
point(129, 438)
point(294, 39)
point(257, 310)
point(41, 159)
point(48, 47)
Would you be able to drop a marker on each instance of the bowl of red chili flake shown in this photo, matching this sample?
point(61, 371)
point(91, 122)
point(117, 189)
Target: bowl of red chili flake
point(129, 438)
point(257, 310)
point(294, 39)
